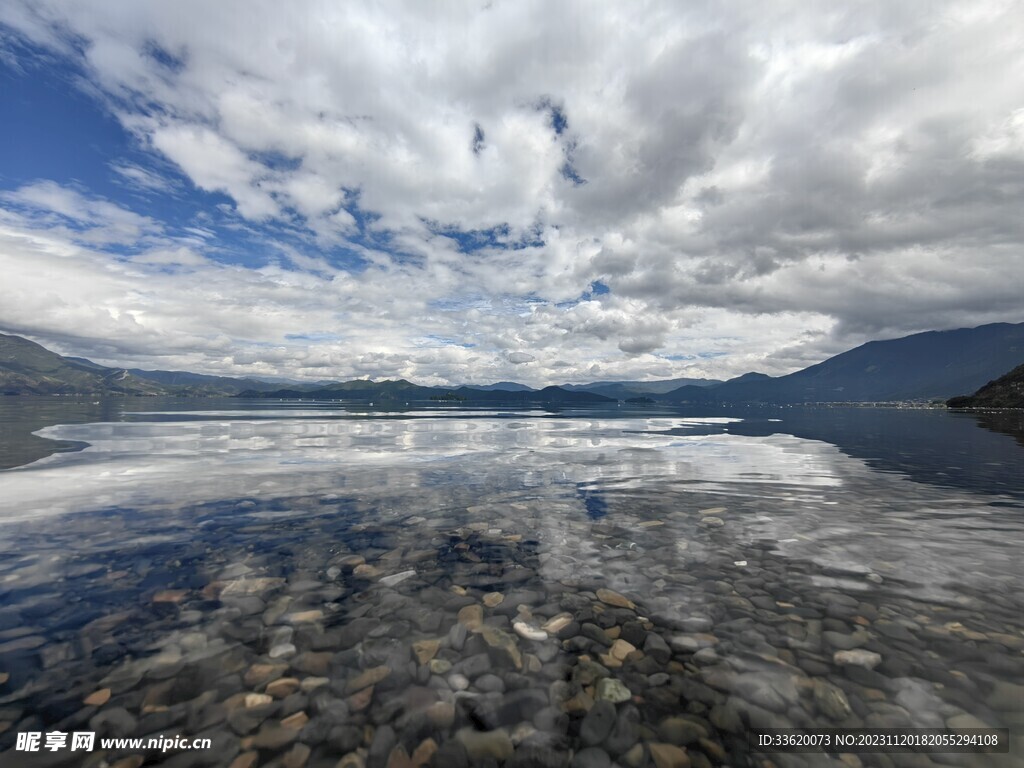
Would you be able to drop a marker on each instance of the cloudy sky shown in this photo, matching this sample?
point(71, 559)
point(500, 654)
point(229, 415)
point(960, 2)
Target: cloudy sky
point(478, 191)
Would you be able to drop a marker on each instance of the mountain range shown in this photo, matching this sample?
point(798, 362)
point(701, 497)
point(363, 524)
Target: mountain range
point(934, 365)
point(1005, 392)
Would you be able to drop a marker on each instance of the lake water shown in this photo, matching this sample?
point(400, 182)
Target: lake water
point(308, 585)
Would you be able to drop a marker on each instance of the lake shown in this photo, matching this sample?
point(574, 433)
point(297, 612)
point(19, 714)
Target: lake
point(325, 585)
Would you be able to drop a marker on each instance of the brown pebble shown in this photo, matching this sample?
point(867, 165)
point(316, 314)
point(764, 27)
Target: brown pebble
point(423, 753)
point(360, 701)
point(296, 757)
point(668, 755)
point(371, 676)
point(425, 650)
point(244, 760)
point(170, 596)
point(97, 699)
point(296, 722)
point(282, 687)
point(471, 616)
point(613, 598)
point(4, 677)
point(441, 714)
point(398, 758)
point(263, 673)
point(253, 700)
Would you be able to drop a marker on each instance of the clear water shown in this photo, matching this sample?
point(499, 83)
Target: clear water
point(152, 554)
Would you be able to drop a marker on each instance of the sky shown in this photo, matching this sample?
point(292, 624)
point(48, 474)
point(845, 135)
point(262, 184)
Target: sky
point(485, 191)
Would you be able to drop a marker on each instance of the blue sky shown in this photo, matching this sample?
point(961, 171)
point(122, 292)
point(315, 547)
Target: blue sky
point(502, 191)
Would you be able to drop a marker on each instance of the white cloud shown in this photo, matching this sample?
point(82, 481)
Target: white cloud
point(763, 185)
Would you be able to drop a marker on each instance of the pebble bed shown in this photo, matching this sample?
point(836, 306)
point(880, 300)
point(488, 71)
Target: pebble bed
point(321, 631)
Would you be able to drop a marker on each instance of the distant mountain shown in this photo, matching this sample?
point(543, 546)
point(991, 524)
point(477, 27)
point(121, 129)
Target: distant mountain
point(29, 368)
point(748, 377)
point(218, 384)
point(507, 386)
point(924, 366)
point(402, 391)
point(1005, 392)
point(633, 388)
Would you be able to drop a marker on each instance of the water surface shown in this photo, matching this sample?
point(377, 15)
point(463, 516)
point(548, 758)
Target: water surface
point(186, 554)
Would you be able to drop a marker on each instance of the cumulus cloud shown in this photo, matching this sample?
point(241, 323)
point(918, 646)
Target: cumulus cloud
point(753, 187)
point(518, 358)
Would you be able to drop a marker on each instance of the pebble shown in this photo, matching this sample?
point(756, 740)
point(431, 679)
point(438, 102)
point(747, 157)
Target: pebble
point(610, 689)
point(712, 511)
point(282, 651)
point(397, 578)
point(831, 700)
point(305, 616)
point(245, 760)
point(458, 682)
point(425, 650)
point(621, 649)
point(471, 617)
point(253, 700)
point(597, 723)
point(858, 658)
point(98, 698)
point(296, 757)
point(282, 687)
point(681, 731)
point(556, 624)
point(668, 755)
point(528, 632)
point(493, 599)
point(367, 678)
point(610, 597)
point(591, 757)
point(486, 745)
point(312, 683)
point(174, 596)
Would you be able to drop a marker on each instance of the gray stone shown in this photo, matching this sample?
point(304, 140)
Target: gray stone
point(345, 738)
point(116, 722)
point(598, 723)
point(680, 731)
point(490, 684)
point(656, 647)
point(658, 678)
point(831, 700)
point(844, 642)
point(626, 731)
point(591, 757)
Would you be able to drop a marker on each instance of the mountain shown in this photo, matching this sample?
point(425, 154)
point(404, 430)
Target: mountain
point(624, 389)
point(198, 382)
point(29, 368)
point(507, 386)
point(924, 366)
point(402, 391)
point(1005, 392)
point(748, 377)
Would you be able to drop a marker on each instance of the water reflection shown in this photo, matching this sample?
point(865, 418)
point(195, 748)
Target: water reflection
point(315, 586)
